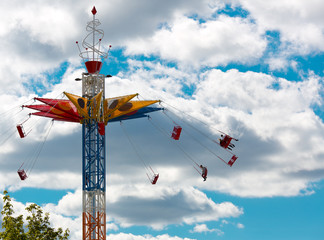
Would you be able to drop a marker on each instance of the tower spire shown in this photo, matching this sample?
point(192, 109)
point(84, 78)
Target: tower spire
point(92, 54)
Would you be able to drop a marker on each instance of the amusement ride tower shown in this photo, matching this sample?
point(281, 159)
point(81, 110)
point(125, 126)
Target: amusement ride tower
point(93, 142)
point(95, 112)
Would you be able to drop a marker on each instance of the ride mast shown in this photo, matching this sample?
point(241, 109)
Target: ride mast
point(93, 138)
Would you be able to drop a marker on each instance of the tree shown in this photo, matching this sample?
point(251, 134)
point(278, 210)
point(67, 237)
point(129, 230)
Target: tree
point(37, 227)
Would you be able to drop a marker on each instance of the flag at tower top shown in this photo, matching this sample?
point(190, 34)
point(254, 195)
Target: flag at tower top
point(94, 10)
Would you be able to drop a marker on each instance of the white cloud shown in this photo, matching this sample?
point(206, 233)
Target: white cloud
point(35, 43)
point(203, 228)
point(112, 227)
point(212, 43)
point(277, 63)
point(300, 23)
point(69, 205)
point(164, 206)
point(129, 236)
point(240, 226)
point(133, 17)
point(156, 207)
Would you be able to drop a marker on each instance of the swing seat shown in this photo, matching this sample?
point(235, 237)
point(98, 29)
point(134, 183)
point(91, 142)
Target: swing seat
point(154, 180)
point(232, 161)
point(176, 132)
point(21, 131)
point(226, 141)
point(22, 174)
point(101, 128)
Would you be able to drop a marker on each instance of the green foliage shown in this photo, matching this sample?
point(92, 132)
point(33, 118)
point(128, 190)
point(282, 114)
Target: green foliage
point(37, 227)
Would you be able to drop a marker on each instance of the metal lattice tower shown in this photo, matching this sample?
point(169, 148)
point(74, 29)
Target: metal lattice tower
point(93, 143)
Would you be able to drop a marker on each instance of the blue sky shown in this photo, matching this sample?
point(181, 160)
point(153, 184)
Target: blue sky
point(250, 68)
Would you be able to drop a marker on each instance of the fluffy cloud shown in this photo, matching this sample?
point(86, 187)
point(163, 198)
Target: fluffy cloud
point(133, 17)
point(211, 43)
point(163, 206)
point(203, 228)
point(156, 207)
point(298, 24)
point(240, 225)
point(34, 43)
point(130, 236)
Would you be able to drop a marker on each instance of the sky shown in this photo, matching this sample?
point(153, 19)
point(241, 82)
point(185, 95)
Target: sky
point(249, 68)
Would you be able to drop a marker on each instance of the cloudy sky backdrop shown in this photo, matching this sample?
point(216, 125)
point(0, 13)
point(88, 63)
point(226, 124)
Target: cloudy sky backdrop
point(250, 68)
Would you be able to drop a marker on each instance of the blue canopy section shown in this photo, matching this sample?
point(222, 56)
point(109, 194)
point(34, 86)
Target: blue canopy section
point(137, 114)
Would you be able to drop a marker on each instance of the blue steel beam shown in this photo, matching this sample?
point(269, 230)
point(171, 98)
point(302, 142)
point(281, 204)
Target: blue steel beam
point(93, 157)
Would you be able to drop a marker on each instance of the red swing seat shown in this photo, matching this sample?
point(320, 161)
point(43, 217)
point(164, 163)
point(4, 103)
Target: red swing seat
point(22, 174)
point(21, 131)
point(176, 132)
point(226, 141)
point(154, 180)
point(232, 160)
